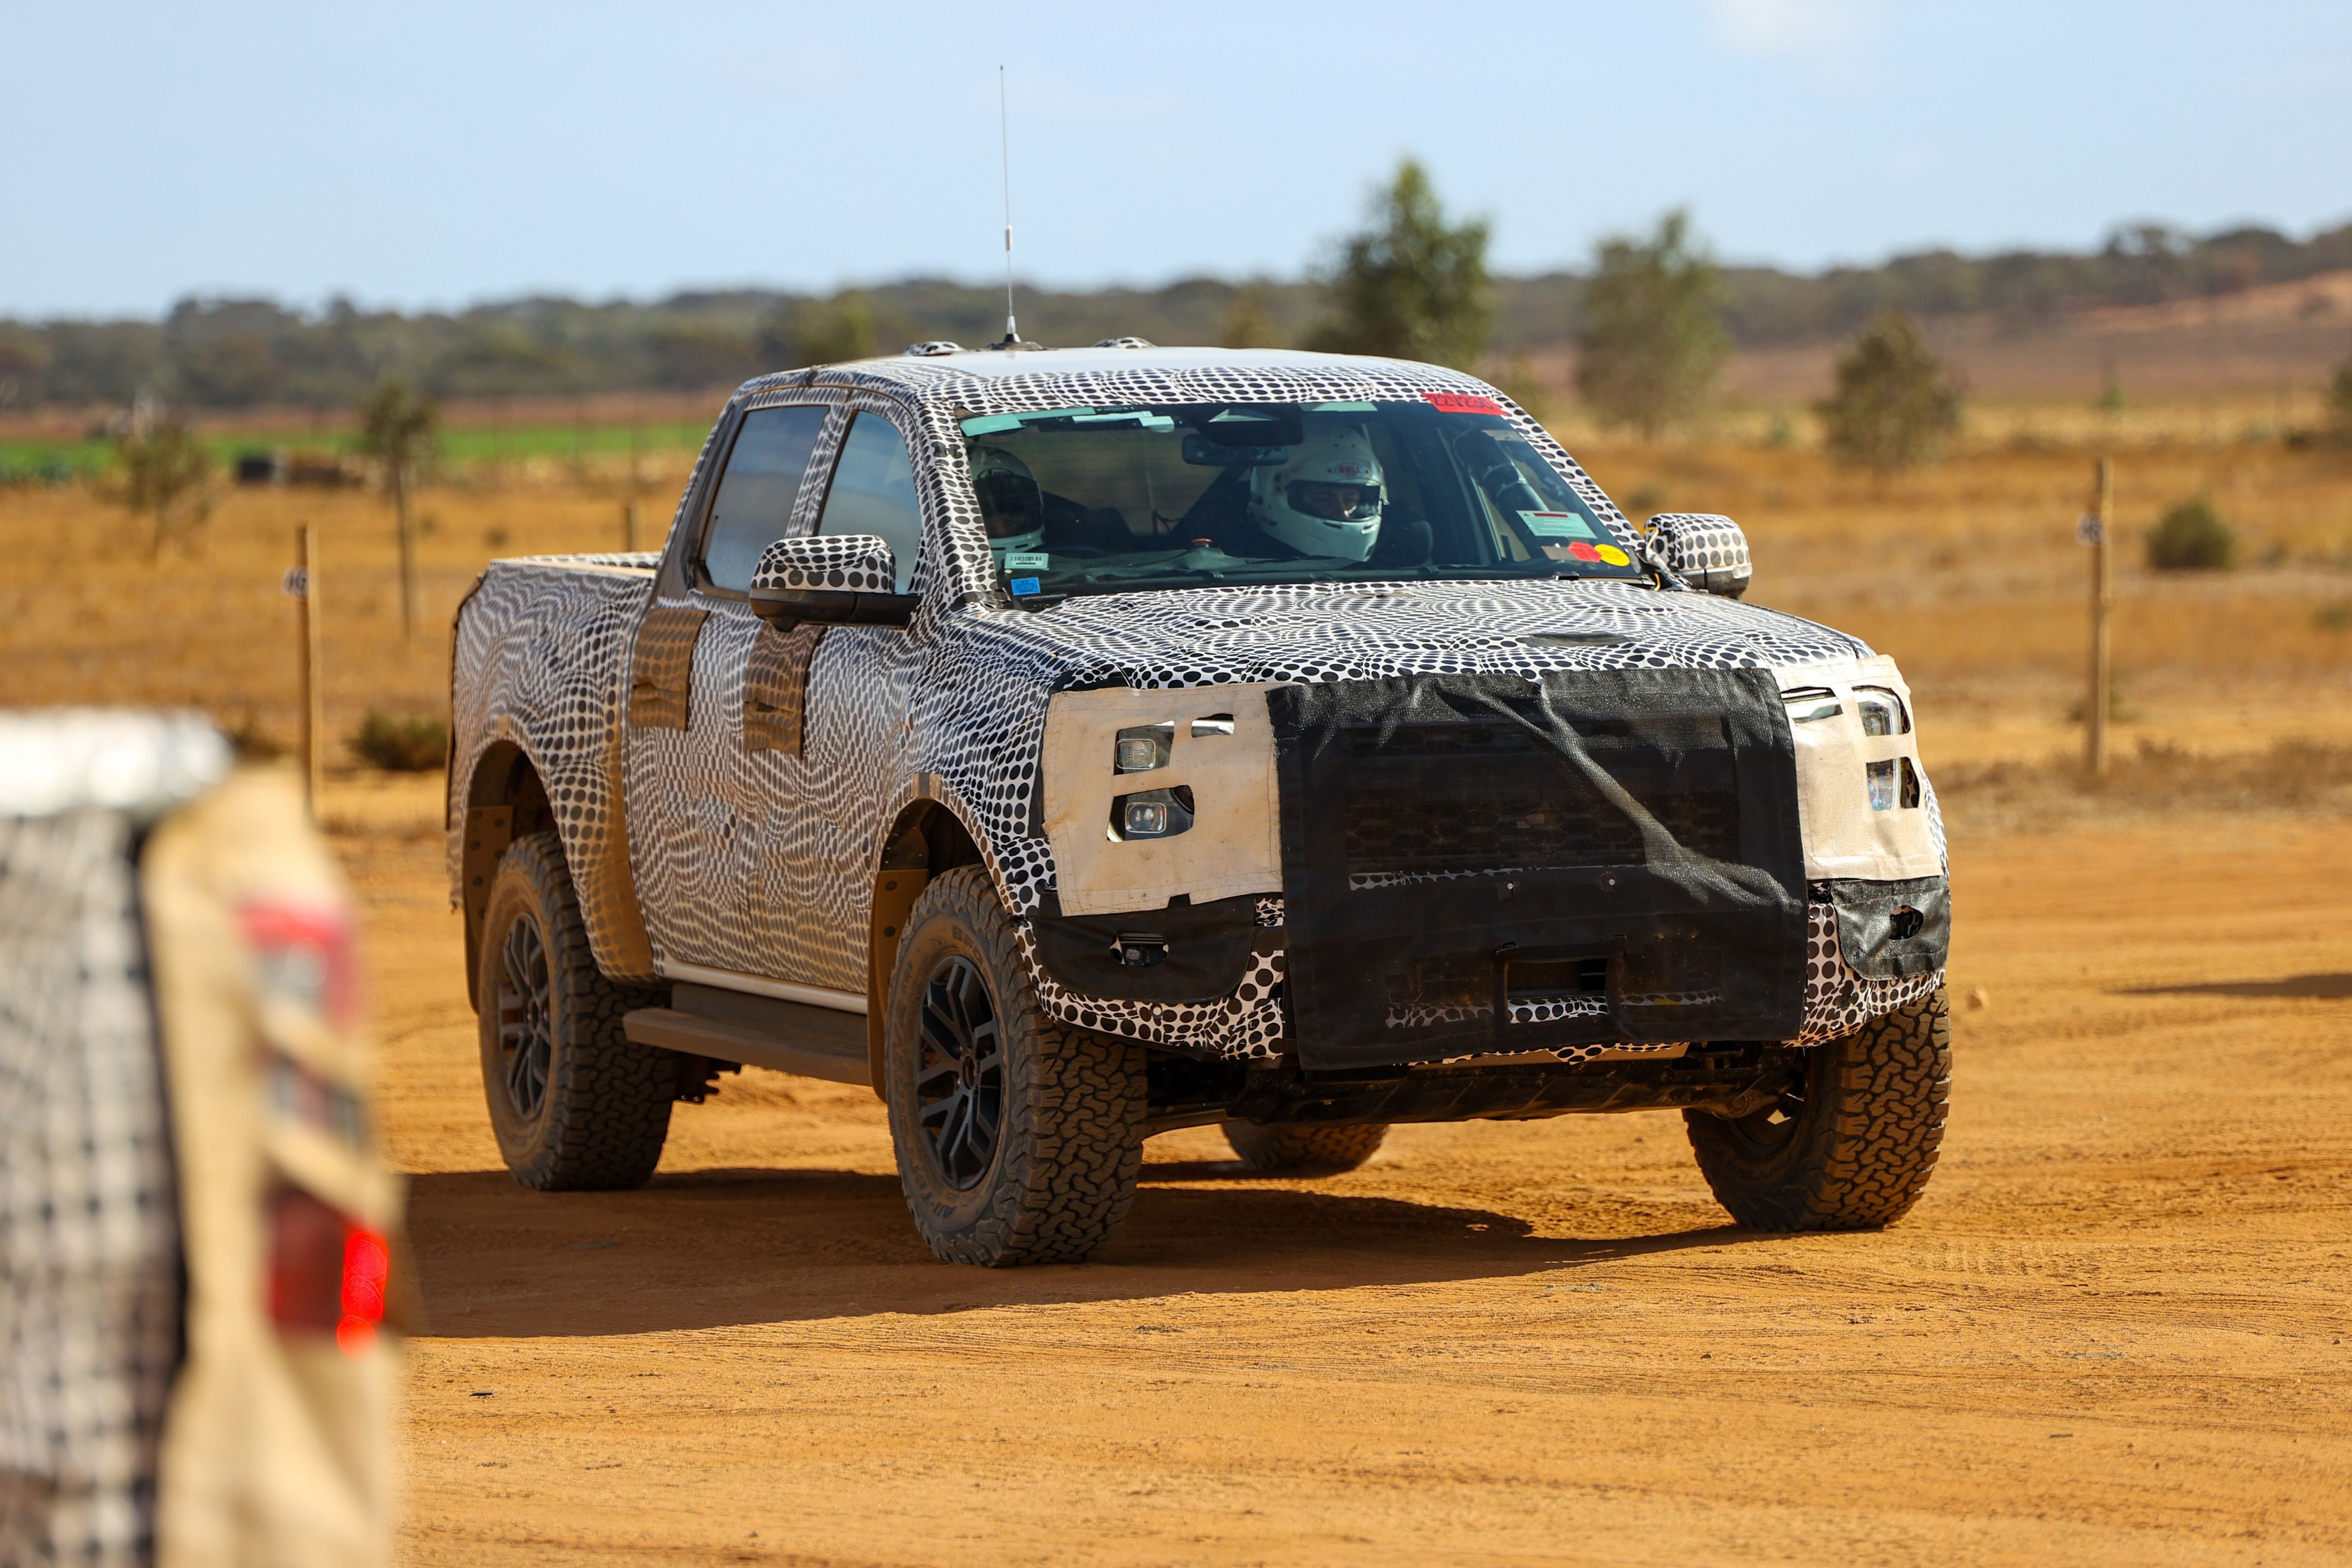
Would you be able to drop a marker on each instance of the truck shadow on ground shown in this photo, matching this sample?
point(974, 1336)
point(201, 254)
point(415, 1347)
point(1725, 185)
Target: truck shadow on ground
point(716, 1248)
point(2327, 987)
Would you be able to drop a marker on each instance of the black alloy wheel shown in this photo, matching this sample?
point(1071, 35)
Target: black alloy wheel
point(960, 1074)
point(575, 1104)
point(1761, 1134)
point(1019, 1139)
point(526, 1029)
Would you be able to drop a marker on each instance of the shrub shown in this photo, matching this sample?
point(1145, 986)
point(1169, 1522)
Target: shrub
point(400, 745)
point(2191, 537)
point(1895, 403)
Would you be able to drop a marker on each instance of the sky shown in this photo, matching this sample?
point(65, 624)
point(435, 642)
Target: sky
point(432, 155)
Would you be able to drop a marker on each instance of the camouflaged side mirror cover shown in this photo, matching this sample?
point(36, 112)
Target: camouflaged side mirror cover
point(1705, 549)
point(843, 563)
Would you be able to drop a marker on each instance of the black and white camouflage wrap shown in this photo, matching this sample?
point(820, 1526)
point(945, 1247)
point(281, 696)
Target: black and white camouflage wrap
point(762, 863)
point(856, 563)
point(1707, 550)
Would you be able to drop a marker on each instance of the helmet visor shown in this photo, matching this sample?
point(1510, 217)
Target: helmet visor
point(1009, 504)
point(1336, 502)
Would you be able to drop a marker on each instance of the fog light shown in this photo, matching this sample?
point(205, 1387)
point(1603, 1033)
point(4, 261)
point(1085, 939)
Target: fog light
point(1153, 814)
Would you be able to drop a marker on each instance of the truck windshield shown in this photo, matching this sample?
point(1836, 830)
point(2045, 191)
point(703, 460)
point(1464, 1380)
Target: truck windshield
point(1111, 499)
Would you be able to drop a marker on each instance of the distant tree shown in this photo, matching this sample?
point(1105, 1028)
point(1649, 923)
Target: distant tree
point(690, 355)
point(1409, 286)
point(23, 355)
point(1246, 324)
point(2192, 537)
point(500, 359)
point(822, 332)
point(2339, 404)
point(166, 475)
point(399, 429)
point(1894, 403)
point(1653, 341)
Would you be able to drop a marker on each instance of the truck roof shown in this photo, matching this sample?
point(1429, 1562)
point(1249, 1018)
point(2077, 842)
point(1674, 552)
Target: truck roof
point(1173, 372)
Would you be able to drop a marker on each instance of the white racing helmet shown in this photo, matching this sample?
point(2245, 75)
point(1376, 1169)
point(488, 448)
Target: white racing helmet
point(1324, 499)
point(1011, 504)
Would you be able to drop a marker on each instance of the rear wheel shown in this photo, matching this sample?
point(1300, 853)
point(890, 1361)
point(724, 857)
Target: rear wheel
point(576, 1104)
point(1850, 1148)
point(1304, 1150)
point(1018, 1141)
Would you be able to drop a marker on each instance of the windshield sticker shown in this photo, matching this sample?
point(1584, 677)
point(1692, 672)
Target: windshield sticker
point(1140, 416)
point(1023, 586)
point(1556, 525)
point(1461, 402)
point(1614, 557)
point(1583, 552)
point(1027, 560)
point(1342, 408)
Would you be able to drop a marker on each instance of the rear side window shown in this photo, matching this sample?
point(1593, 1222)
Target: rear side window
point(874, 492)
point(762, 480)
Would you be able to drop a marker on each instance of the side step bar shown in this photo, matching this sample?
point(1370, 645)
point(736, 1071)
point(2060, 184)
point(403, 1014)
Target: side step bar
point(757, 1031)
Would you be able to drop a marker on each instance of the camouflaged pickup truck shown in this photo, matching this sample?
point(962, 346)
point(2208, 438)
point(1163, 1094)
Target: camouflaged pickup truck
point(1075, 745)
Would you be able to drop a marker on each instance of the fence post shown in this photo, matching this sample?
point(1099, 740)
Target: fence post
point(629, 526)
point(2101, 607)
point(314, 697)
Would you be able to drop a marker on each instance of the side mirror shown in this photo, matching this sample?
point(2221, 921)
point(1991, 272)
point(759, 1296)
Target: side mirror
point(1703, 549)
point(843, 579)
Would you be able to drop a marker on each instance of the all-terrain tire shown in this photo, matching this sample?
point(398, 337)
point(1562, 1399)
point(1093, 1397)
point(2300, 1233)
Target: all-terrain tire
point(1019, 1141)
point(576, 1105)
point(1304, 1150)
point(1852, 1147)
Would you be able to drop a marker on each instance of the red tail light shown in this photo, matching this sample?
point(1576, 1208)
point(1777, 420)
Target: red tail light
point(327, 1274)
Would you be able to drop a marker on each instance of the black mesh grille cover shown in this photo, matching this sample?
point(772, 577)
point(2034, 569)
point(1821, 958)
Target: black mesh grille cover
point(1476, 863)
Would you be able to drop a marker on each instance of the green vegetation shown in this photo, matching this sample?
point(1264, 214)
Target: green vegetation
point(1895, 403)
point(1653, 341)
point(1410, 287)
point(401, 744)
point(2191, 537)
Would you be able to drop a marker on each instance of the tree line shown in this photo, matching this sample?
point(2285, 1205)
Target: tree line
point(220, 353)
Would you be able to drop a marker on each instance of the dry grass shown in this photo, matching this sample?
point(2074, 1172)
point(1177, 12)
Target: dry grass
point(2293, 778)
point(1966, 573)
point(89, 618)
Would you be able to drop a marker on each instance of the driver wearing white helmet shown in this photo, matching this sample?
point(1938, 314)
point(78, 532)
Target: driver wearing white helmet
point(1323, 499)
point(1012, 503)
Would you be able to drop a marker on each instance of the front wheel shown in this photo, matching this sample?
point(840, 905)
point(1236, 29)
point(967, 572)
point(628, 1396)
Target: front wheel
point(576, 1105)
point(1018, 1141)
point(1852, 1146)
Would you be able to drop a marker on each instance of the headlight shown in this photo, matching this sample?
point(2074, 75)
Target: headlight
point(1143, 748)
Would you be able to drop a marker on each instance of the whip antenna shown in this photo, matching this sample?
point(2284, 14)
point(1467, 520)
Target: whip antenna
point(1004, 145)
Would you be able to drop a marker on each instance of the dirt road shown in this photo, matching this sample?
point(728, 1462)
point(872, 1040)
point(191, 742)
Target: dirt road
point(2115, 1331)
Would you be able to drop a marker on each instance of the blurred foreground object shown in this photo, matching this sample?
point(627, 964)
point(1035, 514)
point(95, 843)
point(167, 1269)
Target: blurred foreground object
point(182, 1099)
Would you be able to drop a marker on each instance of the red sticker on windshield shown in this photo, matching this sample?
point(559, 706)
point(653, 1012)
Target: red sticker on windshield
point(1461, 402)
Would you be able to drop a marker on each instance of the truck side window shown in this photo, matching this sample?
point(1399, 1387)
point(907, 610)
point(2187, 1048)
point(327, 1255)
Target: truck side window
point(874, 492)
point(754, 505)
